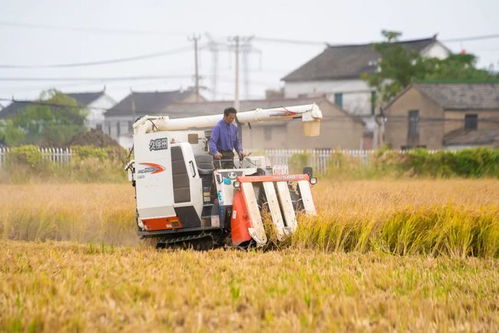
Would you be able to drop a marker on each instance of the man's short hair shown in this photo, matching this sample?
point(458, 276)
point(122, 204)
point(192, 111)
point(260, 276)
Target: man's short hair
point(229, 110)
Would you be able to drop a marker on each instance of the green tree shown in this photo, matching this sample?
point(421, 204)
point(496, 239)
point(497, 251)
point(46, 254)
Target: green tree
point(52, 120)
point(400, 66)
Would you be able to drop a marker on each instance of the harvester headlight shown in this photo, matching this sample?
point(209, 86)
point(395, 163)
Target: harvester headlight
point(237, 184)
point(313, 181)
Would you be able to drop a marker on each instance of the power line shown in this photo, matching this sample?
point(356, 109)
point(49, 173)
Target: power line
point(105, 62)
point(318, 43)
point(119, 78)
point(187, 48)
point(290, 41)
point(464, 39)
point(88, 29)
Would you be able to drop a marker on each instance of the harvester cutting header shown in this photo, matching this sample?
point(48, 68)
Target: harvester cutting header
point(182, 198)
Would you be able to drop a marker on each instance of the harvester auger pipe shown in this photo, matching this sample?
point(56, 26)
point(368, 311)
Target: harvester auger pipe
point(310, 114)
point(182, 197)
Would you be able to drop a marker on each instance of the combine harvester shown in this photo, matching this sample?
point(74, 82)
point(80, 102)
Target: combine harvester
point(182, 199)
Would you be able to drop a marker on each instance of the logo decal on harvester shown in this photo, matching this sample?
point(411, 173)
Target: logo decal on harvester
point(158, 144)
point(152, 168)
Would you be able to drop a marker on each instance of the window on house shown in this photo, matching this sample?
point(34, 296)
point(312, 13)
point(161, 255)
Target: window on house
point(470, 122)
point(98, 127)
point(338, 99)
point(413, 128)
point(130, 126)
point(118, 129)
point(267, 133)
point(109, 129)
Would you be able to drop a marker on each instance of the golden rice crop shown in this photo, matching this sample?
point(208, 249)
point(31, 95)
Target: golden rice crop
point(78, 212)
point(57, 286)
point(454, 217)
point(312, 285)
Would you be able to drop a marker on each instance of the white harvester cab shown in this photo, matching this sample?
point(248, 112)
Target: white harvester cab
point(184, 197)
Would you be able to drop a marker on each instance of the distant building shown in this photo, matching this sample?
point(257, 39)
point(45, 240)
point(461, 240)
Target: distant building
point(120, 118)
point(337, 70)
point(338, 128)
point(95, 102)
point(12, 109)
point(438, 115)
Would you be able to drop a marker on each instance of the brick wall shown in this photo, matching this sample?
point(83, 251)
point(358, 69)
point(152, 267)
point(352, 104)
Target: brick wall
point(431, 130)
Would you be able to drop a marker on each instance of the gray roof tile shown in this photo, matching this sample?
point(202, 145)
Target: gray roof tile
point(85, 98)
point(11, 109)
point(462, 137)
point(347, 61)
point(469, 96)
point(147, 102)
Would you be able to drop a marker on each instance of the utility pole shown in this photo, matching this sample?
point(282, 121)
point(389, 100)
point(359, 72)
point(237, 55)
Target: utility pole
point(236, 88)
point(195, 39)
point(241, 45)
point(246, 50)
point(214, 47)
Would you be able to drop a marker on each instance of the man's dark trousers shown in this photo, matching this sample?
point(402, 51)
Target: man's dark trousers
point(227, 160)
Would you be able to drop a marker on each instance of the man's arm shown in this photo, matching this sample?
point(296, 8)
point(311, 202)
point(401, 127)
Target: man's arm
point(215, 134)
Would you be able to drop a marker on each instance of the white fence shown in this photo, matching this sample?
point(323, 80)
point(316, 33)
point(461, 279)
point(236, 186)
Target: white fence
point(56, 155)
point(319, 158)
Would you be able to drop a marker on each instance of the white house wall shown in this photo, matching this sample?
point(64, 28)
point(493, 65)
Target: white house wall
point(124, 134)
point(356, 93)
point(436, 50)
point(96, 111)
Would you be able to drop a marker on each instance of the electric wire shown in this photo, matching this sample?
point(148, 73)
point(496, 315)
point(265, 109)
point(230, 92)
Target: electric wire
point(107, 61)
point(329, 117)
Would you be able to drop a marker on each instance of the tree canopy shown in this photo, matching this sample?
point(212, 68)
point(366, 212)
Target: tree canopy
point(51, 120)
point(399, 66)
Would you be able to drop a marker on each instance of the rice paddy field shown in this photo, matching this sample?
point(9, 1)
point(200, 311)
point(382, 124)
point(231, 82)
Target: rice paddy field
point(392, 255)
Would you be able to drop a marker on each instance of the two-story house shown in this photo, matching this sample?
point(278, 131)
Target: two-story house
point(337, 70)
point(438, 115)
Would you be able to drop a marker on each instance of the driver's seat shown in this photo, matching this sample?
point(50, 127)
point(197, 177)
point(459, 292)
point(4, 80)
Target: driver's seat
point(205, 170)
point(205, 164)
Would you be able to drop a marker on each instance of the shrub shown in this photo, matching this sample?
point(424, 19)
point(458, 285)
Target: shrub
point(28, 156)
point(84, 152)
point(468, 163)
point(88, 164)
point(298, 161)
point(23, 163)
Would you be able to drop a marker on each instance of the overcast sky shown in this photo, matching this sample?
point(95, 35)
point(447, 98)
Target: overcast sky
point(47, 32)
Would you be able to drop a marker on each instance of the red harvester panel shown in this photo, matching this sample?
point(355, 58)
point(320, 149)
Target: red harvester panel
point(162, 223)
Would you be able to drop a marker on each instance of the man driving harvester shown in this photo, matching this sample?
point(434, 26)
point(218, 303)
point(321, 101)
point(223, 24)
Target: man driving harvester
point(224, 140)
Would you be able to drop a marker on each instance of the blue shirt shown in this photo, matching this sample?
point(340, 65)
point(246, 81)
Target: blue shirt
point(224, 137)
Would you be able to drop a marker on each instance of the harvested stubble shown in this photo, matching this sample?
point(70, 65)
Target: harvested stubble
point(55, 286)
